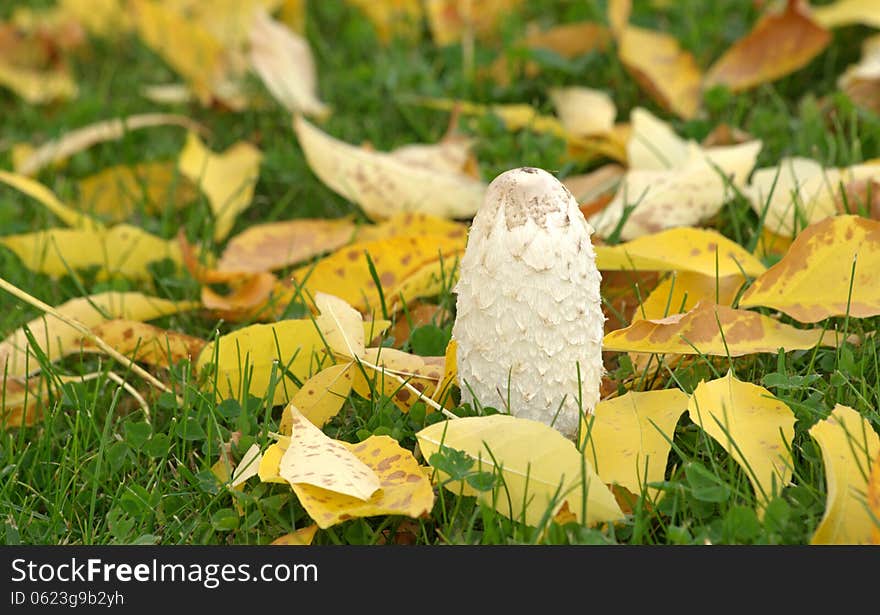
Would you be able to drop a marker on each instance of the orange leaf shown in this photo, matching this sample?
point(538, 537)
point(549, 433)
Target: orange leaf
point(778, 45)
point(714, 330)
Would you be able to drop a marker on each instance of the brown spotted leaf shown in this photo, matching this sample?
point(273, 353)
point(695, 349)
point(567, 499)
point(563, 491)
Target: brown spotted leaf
point(829, 270)
point(145, 343)
point(778, 45)
point(683, 290)
point(301, 537)
point(402, 376)
point(714, 330)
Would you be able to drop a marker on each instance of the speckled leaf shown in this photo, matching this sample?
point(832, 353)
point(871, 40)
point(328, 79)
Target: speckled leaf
point(321, 396)
point(301, 537)
point(346, 273)
point(228, 178)
point(683, 290)
point(124, 250)
point(275, 245)
point(401, 376)
point(341, 326)
point(816, 280)
point(779, 44)
point(541, 468)
point(58, 339)
point(629, 436)
point(668, 73)
point(714, 330)
point(284, 62)
point(45, 197)
point(314, 459)
point(680, 249)
point(145, 343)
point(849, 445)
point(752, 425)
point(410, 223)
point(80, 139)
point(119, 191)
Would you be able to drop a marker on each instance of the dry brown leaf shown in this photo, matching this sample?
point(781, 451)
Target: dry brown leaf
point(778, 45)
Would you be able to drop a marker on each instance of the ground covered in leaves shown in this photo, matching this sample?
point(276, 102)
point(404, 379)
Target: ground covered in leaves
point(229, 237)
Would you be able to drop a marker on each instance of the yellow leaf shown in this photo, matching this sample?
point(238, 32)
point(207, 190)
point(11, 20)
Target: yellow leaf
point(64, 147)
point(676, 182)
point(275, 245)
point(668, 73)
point(119, 191)
point(627, 439)
point(38, 87)
point(271, 461)
point(704, 251)
point(341, 326)
point(103, 18)
point(58, 339)
point(47, 199)
point(753, 426)
point(829, 270)
point(228, 178)
point(450, 375)
point(247, 467)
point(451, 20)
point(874, 499)
point(849, 444)
point(123, 250)
point(401, 376)
point(683, 290)
point(541, 468)
point(314, 459)
point(410, 223)
point(800, 192)
point(392, 18)
point(584, 111)
point(145, 343)
point(283, 60)
point(300, 537)
point(714, 330)
point(346, 272)
point(22, 400)
point(404, 487)
point(321, 396)
point(382, 184)
point(847, 13)
point(189, 48)
point(779, 44)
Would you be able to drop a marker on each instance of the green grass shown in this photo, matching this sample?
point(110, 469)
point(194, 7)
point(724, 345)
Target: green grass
point(97, 470)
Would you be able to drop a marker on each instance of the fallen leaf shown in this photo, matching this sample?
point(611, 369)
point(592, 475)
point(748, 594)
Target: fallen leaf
point(628, 438)
point(450, 374)
point(704, 251)
point(276, 245)
point(247, 467)
point(38, 87)
point(849, 444)
point(418, 314)
point(410, 223)
point(861, 81)
point(249, 296)
point(668, 73)
point(452, 20)
point(778, 45)
point(57, 150)
point(22, 400)
point(829, 270)
point(588, 187)
point(714, 330)
point(404, 488)
point(122, 190)
point(847, 13)
point(874, 499)
point(753, 426)
point(401, 376)
point(58, 339)
point(284, 62)
point(47, 199)
point(123, 250)
point(381, 184)
point(691, 188)
point(271, 461)
point(392, 18)
point(301, 537)
point(584, 111)
point(321, 397)
point(800, 192)
point(102, 18)
point(341, 326)
point(145, 343)
point(683, 290)
point(312, 458)
point(541, 468)
point(228, 178)
point(622, 293)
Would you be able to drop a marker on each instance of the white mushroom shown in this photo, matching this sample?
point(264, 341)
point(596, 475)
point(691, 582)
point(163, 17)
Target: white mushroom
point(529, 322)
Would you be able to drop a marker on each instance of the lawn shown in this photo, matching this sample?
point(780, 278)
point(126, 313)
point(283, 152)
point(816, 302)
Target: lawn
point(101, 465)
